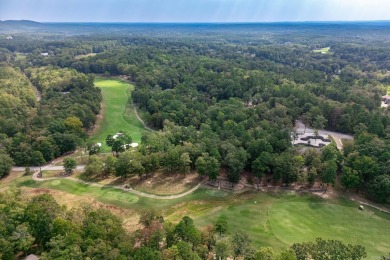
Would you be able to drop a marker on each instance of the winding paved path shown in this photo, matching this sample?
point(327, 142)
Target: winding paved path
point(94, 184)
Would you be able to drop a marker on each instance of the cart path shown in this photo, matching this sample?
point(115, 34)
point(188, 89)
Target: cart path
point(130, 190)
point(140, 119)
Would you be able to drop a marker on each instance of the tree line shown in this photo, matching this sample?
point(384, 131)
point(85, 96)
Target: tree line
point(46, 113)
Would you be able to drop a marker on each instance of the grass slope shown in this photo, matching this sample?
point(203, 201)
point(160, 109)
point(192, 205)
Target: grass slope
point(275, 220)
point(118, 112)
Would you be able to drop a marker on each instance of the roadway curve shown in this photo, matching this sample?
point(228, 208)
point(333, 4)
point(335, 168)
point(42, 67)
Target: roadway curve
point(94, 184)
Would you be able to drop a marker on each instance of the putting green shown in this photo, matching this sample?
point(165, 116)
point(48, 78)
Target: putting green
point(302, 221)
point(55, 182)
point(118, 112)
point(216, 193)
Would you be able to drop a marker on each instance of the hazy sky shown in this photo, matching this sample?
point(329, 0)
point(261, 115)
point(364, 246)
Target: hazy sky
point(194, 10)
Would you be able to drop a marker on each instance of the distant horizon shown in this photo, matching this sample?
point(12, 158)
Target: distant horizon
point(196, 22)
point(189, 11)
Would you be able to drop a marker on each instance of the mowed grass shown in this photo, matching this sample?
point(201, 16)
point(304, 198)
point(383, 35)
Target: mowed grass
point(279, 221)
point(118, 112)
point(276, 220)
point(301, 221)
point(322, 50)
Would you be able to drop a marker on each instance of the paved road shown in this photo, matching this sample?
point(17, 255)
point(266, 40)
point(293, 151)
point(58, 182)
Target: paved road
point(45, 168)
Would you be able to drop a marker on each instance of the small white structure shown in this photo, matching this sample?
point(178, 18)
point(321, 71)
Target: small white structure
point(9, 37)
point(99, 144)
point(44, 53)
point(115, 136)
point(134, 145)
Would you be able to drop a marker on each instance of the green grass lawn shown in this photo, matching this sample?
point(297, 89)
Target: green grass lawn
point(275, 220)
point(322, 50)
point(118, 114)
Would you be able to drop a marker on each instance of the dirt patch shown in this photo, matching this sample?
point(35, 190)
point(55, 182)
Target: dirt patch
point(157, 183)
point(163, 184)
point(130, 217)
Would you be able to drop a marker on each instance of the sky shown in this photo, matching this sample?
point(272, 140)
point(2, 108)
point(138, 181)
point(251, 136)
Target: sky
point(194, 10)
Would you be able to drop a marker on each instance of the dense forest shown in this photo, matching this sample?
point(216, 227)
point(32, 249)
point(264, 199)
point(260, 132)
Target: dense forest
point(223, 102)
point(220, 101)
point(45, 112)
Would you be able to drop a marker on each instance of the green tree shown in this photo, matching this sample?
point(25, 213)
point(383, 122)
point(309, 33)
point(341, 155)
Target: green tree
point(73, 124)
point(187, 231)
point(350, 178)
point(5, 165)
point(261, 165)
point(329, 173)
point(235, 161)
point(207, 165)
point(110, 165)
point(185, 251)
point(146, 253)
point(21, 238)
point(328, 249)
point(94, 166)
point(201, 166)
point(110, 140)
point(185, 163)
point(93, 149)
point(129, 163)
point(319, 122)
point(69, 164)
point(287, 167)
point(265, 253)
point(37, 159)
point(221, 226)
point(40, 214)
point(379, 188)
point(240, 244)
point(222, 250)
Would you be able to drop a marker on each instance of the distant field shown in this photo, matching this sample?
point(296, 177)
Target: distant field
point(323, 50)
point(85, 56)
point(388, 90)
point(275, 220)
point(118, 112)
point(21, 56)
